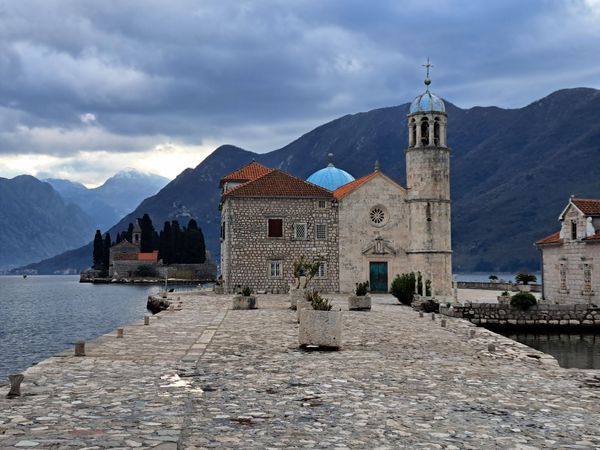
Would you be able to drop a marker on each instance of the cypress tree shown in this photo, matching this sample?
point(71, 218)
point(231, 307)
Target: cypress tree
point(176, 243)
point(166, 244)
point(106, 252)
point(98, 251)
point(147, 237)
point(129, 233)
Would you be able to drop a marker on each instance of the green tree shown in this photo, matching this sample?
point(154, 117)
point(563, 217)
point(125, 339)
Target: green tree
point(129, 232)
point(525, 278)
point(147, 235)
point(98, 251)
point(165, 245)
point(176, 243)
point(106, 253)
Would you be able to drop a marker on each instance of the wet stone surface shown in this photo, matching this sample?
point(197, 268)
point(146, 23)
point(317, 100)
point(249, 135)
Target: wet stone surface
point(210, 377)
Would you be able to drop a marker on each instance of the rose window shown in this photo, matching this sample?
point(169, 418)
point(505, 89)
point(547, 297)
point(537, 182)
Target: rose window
point(377, 215)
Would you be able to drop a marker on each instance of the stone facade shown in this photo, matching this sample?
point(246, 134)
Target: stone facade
point(364, 241)
point(247, 252)
point(570, 270)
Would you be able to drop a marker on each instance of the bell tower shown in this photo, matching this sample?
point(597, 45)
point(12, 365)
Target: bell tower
point(428, 183)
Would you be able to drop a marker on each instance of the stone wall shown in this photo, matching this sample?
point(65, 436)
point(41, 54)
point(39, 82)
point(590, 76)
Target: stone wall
point(499, 286)
point(204, 272)
point(542, 316)
point(247, 251)
point(573, 258)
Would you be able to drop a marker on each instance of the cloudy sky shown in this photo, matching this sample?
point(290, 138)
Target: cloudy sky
point(90, 87)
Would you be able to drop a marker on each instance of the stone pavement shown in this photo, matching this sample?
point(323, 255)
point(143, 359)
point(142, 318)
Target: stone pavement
point(210, 377)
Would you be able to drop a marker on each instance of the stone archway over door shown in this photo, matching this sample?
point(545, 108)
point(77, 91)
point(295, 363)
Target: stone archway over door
point(378, 276)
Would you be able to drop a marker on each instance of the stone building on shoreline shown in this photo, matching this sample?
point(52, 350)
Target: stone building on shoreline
point(570, 256)
point(367, 229)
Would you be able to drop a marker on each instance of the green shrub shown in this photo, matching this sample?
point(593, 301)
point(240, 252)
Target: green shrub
point(317, 302)
point(493, 277)
point(525, 278)
point(523, 301)
point(146, 271)
point(505, 294)
point(247, 291)
point(361, 289)
point(403, 287)
point(303, 268)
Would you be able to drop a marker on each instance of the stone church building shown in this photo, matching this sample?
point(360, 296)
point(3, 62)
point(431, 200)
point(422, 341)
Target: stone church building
point(369, 228)
point(570, 256)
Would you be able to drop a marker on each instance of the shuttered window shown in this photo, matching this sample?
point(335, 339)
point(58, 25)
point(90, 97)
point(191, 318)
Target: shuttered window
point(275, 228)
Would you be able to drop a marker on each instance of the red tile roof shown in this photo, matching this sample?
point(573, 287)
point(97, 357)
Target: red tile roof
point(148, 256)
point(249, 172)
point(554, 238)
point(595, 237)
point(588, 206)
point(276, 183)
point(344, 190)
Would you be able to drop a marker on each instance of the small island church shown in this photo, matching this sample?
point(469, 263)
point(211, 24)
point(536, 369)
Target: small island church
point(370, 228)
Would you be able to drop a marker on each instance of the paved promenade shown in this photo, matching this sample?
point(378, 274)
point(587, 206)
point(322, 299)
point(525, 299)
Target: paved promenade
point(210, 377)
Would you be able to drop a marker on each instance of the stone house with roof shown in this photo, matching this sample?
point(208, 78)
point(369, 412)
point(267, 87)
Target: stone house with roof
point(571, 256)
point(367, 229)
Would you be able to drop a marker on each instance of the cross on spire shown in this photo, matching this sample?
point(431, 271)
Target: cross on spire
point(427, 66)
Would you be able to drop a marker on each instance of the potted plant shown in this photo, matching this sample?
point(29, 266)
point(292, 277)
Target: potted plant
point(304, 272)
point(493, 278)
point(320, 326)
point(523, 301)
point(523, 279)
point(504, 298)
point(245, 299)
point(360, 301)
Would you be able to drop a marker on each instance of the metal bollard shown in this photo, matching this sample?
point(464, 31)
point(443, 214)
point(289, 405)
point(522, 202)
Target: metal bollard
point(472, 333)
point(146, 320)
point(443, 323)
point(420, 313)
point(432, 316)
point(15, 385)
point(491, 348)
point(119, 332)
point(80, 348)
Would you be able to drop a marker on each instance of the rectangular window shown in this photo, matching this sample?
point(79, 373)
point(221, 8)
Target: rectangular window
point(300, 231)
point(321, 231)
point(587, 278)
point(563, 278)
point(322, 273)
point(574, 230)
point(322, 204)
point(275, 228)
point(276, 268)
point(223, 231)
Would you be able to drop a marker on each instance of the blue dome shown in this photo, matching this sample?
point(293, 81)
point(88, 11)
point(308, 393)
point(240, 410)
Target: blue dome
point(427, 102)
point(330, 178)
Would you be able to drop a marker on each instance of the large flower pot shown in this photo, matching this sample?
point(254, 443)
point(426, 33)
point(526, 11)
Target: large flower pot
point(504, 299)
point(320, 328)
point(359, 303)
point(295, 296)
point(244, 302)
point(302, 304)
point(524, 287)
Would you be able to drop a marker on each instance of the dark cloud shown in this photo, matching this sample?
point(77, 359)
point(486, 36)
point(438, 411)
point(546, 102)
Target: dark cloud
point(125, 76)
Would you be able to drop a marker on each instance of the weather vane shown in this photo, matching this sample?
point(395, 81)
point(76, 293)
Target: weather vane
point(427, 66)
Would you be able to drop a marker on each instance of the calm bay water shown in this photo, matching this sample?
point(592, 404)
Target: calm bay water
point(44, 315)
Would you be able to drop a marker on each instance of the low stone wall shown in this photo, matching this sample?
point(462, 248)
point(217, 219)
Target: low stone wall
point(487, 285)
point(200, 272)
point(542, 316)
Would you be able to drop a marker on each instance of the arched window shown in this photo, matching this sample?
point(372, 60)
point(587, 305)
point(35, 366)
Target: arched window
point(574, 230)
point(436, 132)
point(424, 131)
point(413, 133)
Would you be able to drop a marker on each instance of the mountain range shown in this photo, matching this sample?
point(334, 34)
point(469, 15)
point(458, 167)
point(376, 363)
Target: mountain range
point(512, 171)
point(118, 196)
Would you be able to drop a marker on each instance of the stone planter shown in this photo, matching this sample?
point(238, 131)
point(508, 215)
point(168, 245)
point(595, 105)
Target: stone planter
point(296, 295)
point(219, 289)
point(524, 287)
point(302, 304)
point(244, 302)
point(503, 299)
point(359, 303)
point(320, 328)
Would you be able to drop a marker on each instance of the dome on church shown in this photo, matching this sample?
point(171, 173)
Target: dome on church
point(427, 102)
point(330, 177)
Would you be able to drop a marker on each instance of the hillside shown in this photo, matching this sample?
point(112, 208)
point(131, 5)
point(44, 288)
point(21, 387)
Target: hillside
point(512, 172)
point(36, 223)
point(119, 195)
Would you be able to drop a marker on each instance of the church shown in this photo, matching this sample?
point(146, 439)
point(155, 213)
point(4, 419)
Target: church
point(370, 228)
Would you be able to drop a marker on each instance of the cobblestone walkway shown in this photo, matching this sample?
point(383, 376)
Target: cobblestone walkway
point(211, 377)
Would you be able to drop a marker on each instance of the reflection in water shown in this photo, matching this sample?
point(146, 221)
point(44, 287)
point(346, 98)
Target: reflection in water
point(579, 350)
